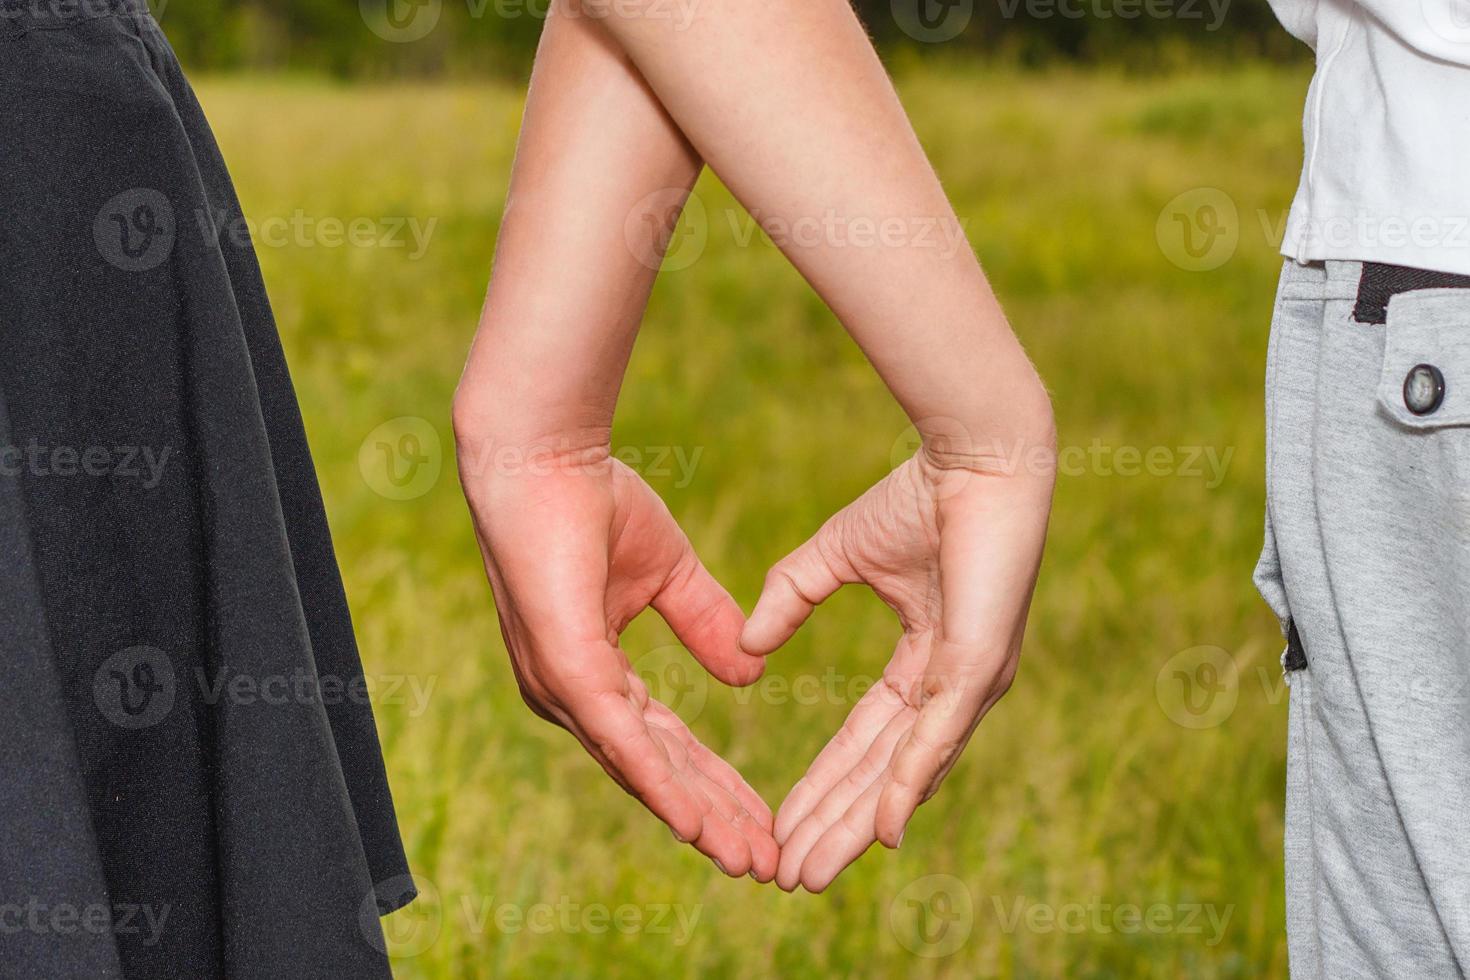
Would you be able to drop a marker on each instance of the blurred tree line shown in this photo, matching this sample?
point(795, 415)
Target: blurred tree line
point(430, 37)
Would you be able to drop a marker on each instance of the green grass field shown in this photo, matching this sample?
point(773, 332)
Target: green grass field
point(1118, 815)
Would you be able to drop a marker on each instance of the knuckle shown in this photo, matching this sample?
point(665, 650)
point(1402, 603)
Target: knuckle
point(1003, 684)
point(536, 701)
point(779, 577)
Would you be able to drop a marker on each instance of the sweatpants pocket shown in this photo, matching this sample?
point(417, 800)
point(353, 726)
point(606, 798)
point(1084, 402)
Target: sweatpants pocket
point(1425, 381)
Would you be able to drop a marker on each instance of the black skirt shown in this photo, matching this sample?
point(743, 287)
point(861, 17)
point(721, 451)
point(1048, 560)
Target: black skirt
point(191, 783)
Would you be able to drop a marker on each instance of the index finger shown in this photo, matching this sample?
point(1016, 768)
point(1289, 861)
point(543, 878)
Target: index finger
point(647, 749)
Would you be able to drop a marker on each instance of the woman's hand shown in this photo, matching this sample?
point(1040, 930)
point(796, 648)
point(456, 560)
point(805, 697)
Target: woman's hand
point(953, 545)
point(576, 545)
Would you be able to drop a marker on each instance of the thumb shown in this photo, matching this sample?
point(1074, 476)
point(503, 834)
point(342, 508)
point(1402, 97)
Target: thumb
point(707, 620)
point(795, 586)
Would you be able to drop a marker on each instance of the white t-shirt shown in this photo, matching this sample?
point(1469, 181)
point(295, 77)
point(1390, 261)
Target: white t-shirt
point(1387, 130)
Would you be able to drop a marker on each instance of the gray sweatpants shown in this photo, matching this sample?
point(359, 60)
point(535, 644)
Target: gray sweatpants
point(1368, 553)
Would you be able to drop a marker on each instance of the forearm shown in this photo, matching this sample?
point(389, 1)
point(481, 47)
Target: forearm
point(790, 106)
point(569, 288)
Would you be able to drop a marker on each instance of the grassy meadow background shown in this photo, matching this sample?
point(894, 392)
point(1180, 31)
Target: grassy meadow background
point(1099, 783)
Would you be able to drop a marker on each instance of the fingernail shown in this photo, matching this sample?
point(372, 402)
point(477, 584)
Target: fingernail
point(719, 865)
point(677, 837)
point(900, 838)
point(751, 873)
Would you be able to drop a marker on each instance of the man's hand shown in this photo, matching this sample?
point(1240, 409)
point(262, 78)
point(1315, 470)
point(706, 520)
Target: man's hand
point(576, 545)
point(953, 546)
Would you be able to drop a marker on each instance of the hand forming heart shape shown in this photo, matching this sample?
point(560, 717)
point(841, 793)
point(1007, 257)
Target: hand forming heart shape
point(577, 545)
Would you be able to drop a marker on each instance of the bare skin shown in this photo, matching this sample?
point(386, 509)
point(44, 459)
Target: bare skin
point(575, 543)
point(790, 107)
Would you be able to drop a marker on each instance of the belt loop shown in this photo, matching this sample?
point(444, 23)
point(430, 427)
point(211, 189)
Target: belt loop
point(1380, 283)
point(1296, 654)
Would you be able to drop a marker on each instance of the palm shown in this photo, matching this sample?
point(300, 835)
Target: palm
point(954, 554)
point(574, 552)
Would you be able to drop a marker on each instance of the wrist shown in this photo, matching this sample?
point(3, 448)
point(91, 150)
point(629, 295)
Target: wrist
point(523, 399)
point(1014, 436)
point(497, 437)
point(543, 388)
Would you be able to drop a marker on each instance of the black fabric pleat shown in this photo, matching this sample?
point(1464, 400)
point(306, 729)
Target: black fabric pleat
point(246, 835)
point(48, 855)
